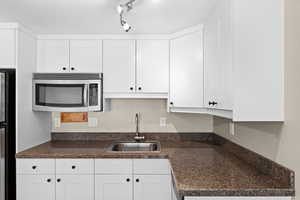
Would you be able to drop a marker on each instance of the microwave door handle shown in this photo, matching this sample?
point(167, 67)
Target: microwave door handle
point(86, 95)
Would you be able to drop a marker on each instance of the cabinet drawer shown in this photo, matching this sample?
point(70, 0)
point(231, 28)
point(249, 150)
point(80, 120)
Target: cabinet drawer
point(113, 166)
point(35, 166)
point(74, 166)
point(151, 166)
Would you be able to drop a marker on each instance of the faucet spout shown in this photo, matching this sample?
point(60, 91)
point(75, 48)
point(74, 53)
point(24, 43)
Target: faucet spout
point(138, 137)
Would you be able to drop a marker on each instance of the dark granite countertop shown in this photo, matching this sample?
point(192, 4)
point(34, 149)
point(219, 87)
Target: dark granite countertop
point(198, 168)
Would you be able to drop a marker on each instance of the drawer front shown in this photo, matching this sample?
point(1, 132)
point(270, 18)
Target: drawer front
point(35, 166)
point(151, 166)
point(113, 166)
point(74, 166)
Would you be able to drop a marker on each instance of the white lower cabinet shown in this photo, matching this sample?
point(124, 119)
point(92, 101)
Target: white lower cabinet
point(142, 183)
point(149, 187)
point(35, 187)
point(38, 179)
point(75, 187)
point(113, 187)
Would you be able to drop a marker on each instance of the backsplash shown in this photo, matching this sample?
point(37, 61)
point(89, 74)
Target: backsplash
point(121, 118)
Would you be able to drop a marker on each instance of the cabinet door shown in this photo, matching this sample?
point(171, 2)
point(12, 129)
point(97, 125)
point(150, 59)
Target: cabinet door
point(86, 56)
point(35, 187)
point(119, 66)
point(149, 187)
point(153, 66)
point(53, 56)
point(186, 71)
point(218, 58)
point(7, 48)
point(74, 187)
point(113, 187)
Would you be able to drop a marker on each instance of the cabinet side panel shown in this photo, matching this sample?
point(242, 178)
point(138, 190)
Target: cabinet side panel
point(258, 60)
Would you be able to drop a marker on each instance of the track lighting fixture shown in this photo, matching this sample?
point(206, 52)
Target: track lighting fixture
point(122, 8)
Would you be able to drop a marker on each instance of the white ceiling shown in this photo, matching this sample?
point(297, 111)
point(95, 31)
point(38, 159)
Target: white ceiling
point(100, 16)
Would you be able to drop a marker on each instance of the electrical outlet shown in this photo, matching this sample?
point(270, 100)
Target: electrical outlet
point(163, 122)
point(231, 128)
point(92, 122)
point(57, 123)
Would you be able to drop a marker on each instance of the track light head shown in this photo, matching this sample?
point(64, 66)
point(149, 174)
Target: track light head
point(126, 26)
point(122, 8)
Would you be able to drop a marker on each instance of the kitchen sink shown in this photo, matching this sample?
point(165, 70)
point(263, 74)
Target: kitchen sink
point(123, 147)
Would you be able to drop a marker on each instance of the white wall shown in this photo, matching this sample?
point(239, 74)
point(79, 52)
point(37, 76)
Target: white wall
point(278, 141)
point(32, 127)
point(122, 119)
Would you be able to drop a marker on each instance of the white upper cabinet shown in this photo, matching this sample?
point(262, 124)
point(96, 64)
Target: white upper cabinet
point(7, 48)
point(258, 60)
point(119, 66)
point(85, 55)
point(133, 67)
point(186, 71)
point(53, 56)
point(218, 58)
point(153, 66)
point(59, 56)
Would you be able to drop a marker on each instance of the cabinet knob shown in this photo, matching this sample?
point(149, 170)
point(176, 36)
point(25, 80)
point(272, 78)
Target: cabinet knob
point(64, 68)
point(140, 88)
point(72, 68)
point(171, 103)
point(48, 180)
point(137, 180)
point(128, 179)
point(58, 180)
point(131, 88)
point(33, 167)
point(212, 103)
point(73, 167)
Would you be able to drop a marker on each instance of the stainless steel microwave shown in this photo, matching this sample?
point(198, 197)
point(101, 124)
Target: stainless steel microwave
point(67, 92)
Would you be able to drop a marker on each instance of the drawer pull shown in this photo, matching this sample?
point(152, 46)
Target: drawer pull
point(34, 167)
point(58, 180)
point(73, 167)
point(128, 179)
point(48, 180)
point(137, 180)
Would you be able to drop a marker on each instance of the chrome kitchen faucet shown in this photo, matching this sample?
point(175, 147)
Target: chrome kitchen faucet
point(138, 137)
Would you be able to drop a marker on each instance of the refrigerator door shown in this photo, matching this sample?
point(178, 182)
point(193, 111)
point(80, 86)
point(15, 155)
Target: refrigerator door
point(2, 163)
point(2, 97)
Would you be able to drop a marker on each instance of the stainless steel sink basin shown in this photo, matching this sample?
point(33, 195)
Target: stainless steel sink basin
point(135, 147)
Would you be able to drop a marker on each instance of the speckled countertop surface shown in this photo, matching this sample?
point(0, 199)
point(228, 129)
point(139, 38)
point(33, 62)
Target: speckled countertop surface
point(199, 168)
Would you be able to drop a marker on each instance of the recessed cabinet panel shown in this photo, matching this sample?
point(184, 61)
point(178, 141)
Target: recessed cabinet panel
point(149, 187)
point(114, 187)
point(186, 71)
point(119, 66)
point(35, 187)
point(35, 166)
point(7, 48)
point(86, 56)
point(153, 66)
point(74, 187)
point(53, 56)
point(218, 58)
point(113, 166)
point(74, 166)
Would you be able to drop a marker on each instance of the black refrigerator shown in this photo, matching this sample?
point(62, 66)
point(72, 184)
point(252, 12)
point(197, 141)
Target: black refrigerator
point(7, 134)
